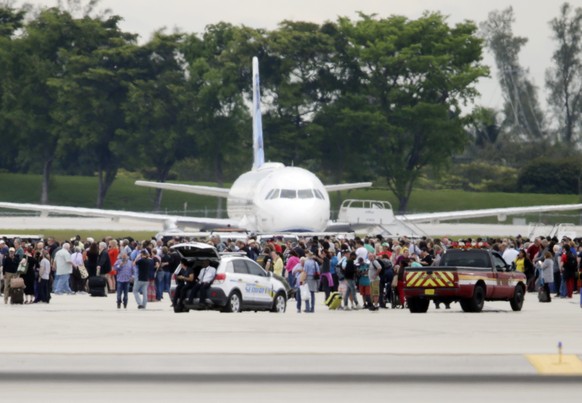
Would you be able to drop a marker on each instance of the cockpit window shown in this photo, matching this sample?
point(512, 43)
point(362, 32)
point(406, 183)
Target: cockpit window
point(305, 194)
point(273, 194)
point(318, 194)
point(288, 194)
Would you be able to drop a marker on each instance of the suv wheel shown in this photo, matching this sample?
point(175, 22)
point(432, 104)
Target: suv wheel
point(234, 303)
point(279, 304)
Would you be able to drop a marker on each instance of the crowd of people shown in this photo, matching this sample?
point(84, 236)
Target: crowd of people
point(370, 269)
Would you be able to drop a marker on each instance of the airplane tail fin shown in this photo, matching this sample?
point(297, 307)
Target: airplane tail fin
point(258, 150)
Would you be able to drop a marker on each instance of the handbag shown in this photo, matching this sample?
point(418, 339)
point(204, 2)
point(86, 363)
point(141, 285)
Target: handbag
point(83, 271)
point(305, 293)
point(16, 282)
point(22, 266)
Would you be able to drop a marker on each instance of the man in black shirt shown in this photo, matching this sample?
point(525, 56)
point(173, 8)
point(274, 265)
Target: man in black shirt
point(140, 285)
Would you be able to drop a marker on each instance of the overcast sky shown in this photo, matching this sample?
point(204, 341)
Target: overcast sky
point(532, 16)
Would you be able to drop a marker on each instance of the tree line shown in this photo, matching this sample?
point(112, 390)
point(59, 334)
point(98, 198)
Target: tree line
point(370, 98)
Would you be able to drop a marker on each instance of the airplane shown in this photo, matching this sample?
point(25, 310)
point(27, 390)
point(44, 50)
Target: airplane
point(274, 198)
point(271, 197)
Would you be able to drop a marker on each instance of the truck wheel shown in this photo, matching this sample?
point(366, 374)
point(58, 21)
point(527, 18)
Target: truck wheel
point(418, 305)
point(517, 301)
point(476, 302)
point(465, 305)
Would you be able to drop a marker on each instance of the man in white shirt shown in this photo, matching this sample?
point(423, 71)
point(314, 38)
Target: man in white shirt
point(64, 268)
point(205, 278)
point(510, 254)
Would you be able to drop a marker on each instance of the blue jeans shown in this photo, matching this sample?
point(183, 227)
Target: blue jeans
point(122, 289)
point(351, 290)
point(298, 298)
point(61, 284)
point(167, 281)
point(160, 277)
point(141, 287)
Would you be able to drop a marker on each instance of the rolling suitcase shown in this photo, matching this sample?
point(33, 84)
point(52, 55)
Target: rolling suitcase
point(17, 295)
point(334, 300)
point(97, 287)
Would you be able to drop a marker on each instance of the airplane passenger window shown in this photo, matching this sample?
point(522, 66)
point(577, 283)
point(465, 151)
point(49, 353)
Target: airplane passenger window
point(305, 194)
point(318, 194)
point(288, 194)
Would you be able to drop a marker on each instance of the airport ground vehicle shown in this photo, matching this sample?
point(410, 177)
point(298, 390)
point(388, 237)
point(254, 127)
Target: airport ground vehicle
point(470, 277)
point(240, 283)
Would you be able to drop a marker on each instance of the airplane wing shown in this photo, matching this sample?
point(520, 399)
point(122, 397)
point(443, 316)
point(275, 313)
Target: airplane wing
point(346, 186)
point(501, 213)
point(169, 221)
point(200, 190)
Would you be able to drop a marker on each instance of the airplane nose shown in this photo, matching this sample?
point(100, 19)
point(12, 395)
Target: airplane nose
point(311, 217)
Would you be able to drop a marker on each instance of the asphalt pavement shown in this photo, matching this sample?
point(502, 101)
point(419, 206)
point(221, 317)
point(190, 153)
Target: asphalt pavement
point(78, 343)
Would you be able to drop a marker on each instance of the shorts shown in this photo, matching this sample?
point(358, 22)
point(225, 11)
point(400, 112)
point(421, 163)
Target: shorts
point(375, 288)
point(364, 290)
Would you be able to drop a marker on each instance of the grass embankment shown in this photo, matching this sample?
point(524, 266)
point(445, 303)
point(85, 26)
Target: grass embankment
point(124, 195)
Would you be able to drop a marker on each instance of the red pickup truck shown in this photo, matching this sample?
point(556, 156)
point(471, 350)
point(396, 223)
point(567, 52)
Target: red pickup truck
point(468, 276)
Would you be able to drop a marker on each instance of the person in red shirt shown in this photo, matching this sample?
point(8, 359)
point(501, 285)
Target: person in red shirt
point(113, 252)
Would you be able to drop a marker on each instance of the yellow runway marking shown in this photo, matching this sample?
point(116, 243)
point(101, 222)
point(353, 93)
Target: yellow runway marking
point(549, 364)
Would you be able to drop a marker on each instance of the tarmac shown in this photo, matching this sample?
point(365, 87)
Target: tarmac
point(78, 342)
point(80, 348)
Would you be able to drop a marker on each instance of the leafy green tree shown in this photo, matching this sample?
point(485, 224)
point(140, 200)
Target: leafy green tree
point(31, 112)
point(292, 75)
point(564, 80)
point(92, 92)
point(414, 76)
point(160, 111)
point(219, 65)
point(11, 20)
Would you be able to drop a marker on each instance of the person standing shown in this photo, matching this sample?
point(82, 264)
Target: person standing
point(313, 273)
point(124, 269)
point(166, 270)
point(30, 275)
point(300, 277)
point(349, 272)
point(113, 253)
point(569, 268)
point(547, 268)
point(140, 285)
point(91, 258)
point(104, 265)
point(44, 272)
point(78, 263)
point(63, 269)
point(10, 266)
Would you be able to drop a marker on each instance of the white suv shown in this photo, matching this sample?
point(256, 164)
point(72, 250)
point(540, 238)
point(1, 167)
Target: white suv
point(240, 283)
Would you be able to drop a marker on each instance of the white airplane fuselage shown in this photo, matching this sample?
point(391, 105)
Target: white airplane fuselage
point(276, 198)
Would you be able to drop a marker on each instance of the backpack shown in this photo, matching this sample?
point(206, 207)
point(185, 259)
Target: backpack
point(571, 263)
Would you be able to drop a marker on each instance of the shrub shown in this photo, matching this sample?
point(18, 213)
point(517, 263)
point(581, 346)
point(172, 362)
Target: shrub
point(549, 175)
